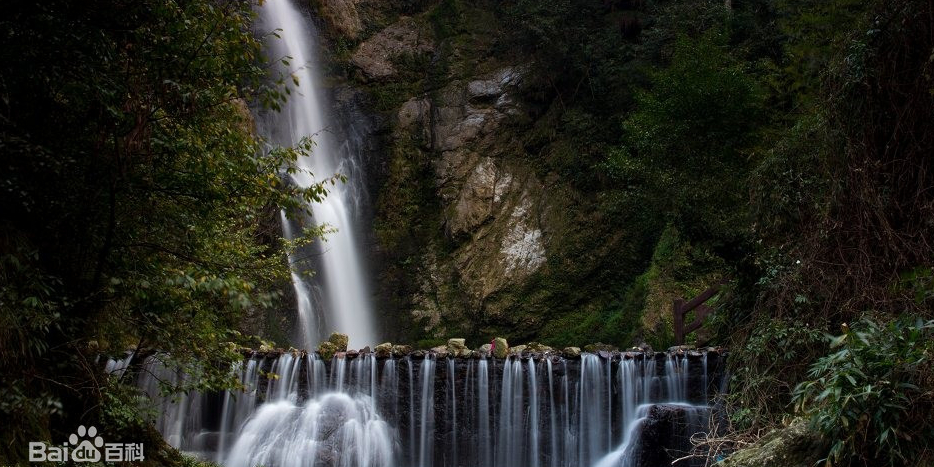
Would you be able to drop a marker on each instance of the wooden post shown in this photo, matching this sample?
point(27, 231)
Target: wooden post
point(681, 309)
point(679, 321)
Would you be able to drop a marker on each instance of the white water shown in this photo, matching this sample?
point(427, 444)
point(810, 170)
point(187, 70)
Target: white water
point(428, 412)
point(344, 305)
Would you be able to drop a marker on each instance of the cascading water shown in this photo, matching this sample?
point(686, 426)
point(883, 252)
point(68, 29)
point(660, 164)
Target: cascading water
point(342, 302)
point(612, 410)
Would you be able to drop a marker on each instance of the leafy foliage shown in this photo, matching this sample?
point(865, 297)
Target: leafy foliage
point(139, 205)
point(868, 397)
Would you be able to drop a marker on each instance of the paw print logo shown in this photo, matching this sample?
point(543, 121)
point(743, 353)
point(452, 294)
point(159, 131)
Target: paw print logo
point(86, 450)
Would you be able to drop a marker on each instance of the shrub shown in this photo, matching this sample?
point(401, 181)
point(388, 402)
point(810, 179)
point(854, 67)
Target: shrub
point(872, 398)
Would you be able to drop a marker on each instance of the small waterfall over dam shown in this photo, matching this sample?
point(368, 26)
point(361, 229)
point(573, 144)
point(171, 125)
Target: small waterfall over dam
point(629, 409)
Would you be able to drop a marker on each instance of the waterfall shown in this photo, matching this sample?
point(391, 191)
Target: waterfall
point(343, 304)
point(424, 410)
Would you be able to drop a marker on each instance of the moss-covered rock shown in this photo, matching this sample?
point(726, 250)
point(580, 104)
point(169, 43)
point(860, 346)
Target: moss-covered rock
point(326, 350)
point(600, 347)
point(793, 446)
point(538, 347)
point(383, 350)
point(500, 347)
point(339, 340)
point(441, 351)
point(456, 344)
point(401, 350)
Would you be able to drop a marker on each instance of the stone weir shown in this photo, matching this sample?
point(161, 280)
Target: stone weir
point(429, 408)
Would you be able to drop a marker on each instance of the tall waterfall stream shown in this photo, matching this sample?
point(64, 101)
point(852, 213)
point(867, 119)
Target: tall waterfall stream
point(418, 410)
point(339, 298)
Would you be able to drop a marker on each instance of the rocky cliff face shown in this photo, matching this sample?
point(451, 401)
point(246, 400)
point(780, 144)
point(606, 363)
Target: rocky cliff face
point(472, 235)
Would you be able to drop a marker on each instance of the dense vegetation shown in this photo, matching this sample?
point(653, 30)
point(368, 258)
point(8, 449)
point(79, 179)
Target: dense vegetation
point(784, 147)
point(787, 148)
point(135, 197)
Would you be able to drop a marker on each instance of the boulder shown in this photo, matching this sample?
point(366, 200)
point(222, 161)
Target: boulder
point(441, 351)
point(500, 347)
point(666, 430)
point(339, 340)
point(485, 348)
point(326, 350)
point(538, 347)
point(517, 350)
point(456, 345)
point(793, 446)
point(401, 350)
point(383, 350)
point(600, 346)
point(571, 352)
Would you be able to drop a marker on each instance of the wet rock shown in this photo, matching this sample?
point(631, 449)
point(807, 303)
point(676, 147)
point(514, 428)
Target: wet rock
point(326, 350)
point(680, 348)
point(500, 347)
point(384, 350)
point(339, 340)
point(666, 431)
point(571, 352)
point(517, 350)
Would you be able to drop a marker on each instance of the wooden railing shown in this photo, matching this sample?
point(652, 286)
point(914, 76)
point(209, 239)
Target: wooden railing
point(681, 309)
